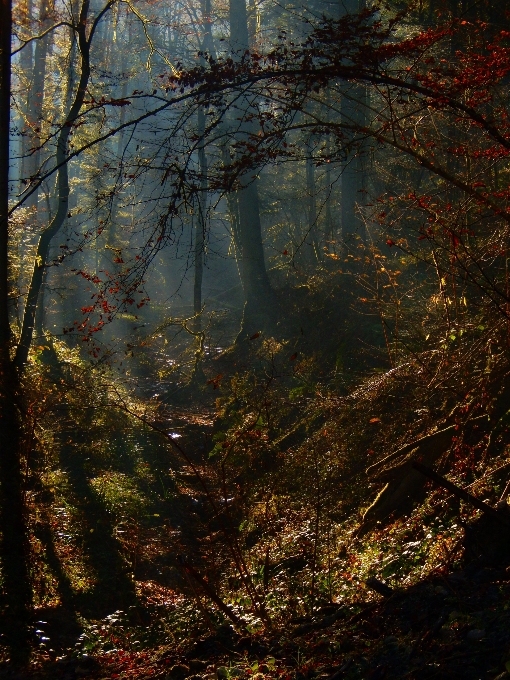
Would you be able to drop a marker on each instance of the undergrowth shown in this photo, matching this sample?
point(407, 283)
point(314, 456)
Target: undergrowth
point(153, 525)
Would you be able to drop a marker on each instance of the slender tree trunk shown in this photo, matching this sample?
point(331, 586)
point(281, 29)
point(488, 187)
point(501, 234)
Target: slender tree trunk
point(353, 107)
point(354, 172)
point(259, 310)
point(26, 65)
point(329, 229)
point(122, 47)
point(67, 307)
point(13, 542)
point(5, 107)
point(233, 211)
point(40, 311)
point(200, 224)
point(36, 97)
point(311, 244)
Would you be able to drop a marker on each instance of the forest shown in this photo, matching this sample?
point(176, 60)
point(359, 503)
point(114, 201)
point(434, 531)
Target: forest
point(254, 339)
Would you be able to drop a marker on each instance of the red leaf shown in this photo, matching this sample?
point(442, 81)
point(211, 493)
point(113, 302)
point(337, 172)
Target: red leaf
point(294, 356)
point(254, 337)
point(215, 382)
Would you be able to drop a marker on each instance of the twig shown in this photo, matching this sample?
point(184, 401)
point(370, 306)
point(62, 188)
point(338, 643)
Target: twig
point(505, 493)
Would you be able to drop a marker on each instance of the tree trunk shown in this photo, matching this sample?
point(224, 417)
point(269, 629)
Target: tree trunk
point(36, 98)
point(233, 211)
point(26, 66)
point(13, 543)
point(259, 308)
point(200, 223)
point(311, 241)
point(329, 230)
point(353, 107)
point(122, 47)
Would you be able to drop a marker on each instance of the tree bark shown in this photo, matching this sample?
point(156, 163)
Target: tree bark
point(13, 543)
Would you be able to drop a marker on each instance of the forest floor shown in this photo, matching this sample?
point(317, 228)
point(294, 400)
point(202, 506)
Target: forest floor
point(117, 512)
point(448, 626)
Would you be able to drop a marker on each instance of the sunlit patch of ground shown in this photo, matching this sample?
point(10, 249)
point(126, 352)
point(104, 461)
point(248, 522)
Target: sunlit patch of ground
point(154, 593)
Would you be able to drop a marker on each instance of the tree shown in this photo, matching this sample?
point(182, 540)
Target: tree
point(45, 239)
point(435, 126)
point(13, 544)
point(384, 67)
point(201, 222)
point(259, 310)
point(35, 101)
point(354, 107)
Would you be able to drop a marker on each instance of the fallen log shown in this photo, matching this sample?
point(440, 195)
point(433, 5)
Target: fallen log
point(429, 447)
point(404, 484)
point(486, 540)
point(461, 493)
